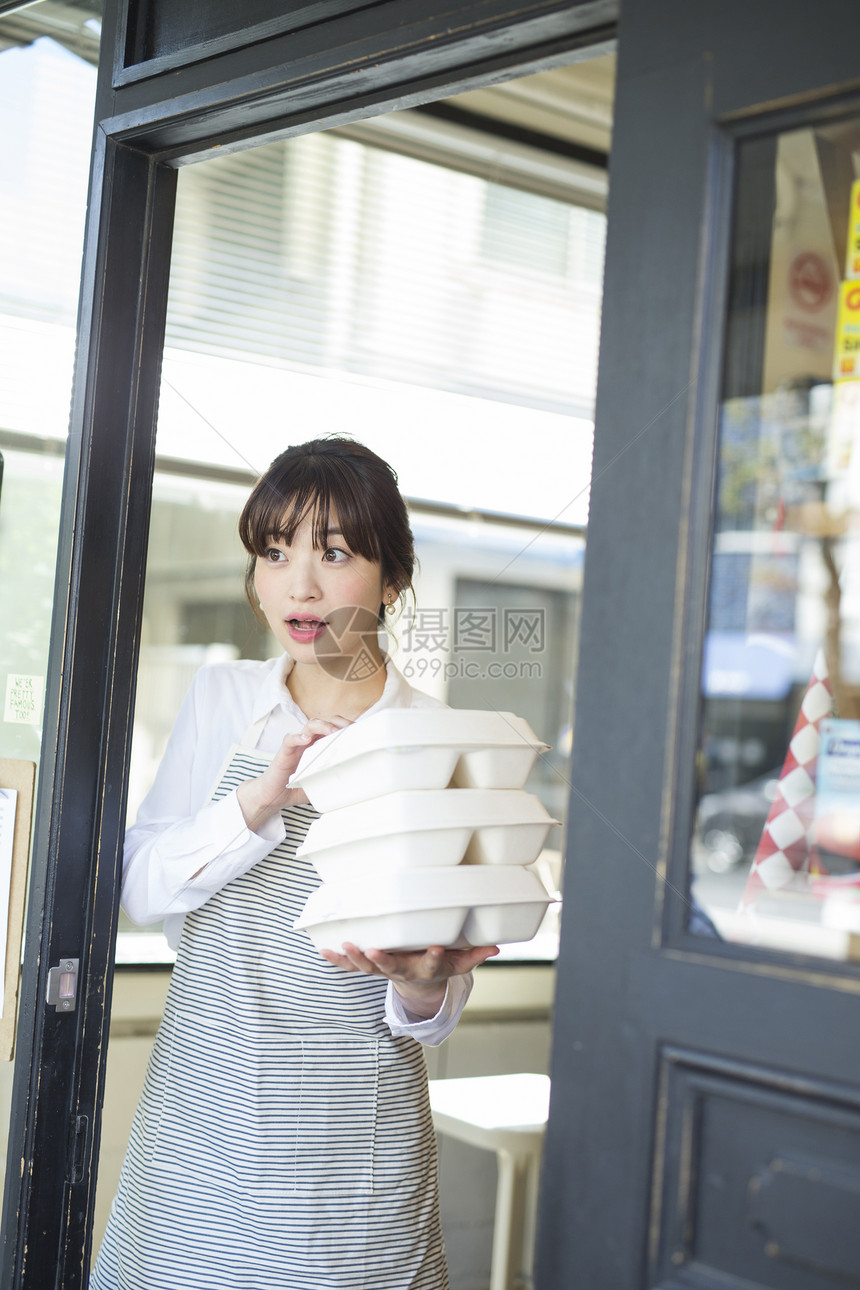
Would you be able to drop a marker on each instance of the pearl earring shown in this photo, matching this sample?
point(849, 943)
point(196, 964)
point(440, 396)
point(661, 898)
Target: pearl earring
point(390, 608)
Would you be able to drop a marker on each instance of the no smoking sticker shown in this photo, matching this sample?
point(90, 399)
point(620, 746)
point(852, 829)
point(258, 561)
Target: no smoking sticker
point(810, 281)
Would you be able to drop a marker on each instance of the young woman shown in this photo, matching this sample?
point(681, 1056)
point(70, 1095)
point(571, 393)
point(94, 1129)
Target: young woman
point(283, 1140)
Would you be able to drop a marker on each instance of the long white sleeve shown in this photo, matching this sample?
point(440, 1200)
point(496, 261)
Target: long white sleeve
point(434, 1030)
point(183, 848)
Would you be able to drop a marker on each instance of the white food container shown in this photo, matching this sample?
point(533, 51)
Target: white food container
point(414, 748)
point(420, 828)
point(453, 906)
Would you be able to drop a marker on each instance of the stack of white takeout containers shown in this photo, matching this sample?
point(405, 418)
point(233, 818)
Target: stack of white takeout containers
point(425, 831)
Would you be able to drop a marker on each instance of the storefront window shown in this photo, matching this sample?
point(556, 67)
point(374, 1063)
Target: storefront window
point(45, 149)
point(776, 846)
point(46, 107)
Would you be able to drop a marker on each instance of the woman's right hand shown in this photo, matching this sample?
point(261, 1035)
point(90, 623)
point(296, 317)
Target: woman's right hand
point(269, 793)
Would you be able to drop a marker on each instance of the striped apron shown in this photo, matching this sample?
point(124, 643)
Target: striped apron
point(283, 1140)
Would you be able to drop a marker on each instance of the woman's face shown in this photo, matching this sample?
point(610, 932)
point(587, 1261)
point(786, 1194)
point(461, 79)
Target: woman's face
point(322, 602)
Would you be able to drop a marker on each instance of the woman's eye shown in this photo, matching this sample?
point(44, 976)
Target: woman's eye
point(274, 555)
point(335, 555)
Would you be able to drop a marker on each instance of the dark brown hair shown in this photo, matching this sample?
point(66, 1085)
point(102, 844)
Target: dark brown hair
point(325, 475)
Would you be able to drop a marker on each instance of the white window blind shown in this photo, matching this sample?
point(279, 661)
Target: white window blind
point(323, 252)
point(46, 109)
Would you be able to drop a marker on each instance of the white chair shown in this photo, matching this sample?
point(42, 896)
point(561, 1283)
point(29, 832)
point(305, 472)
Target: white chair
point(506, 1114)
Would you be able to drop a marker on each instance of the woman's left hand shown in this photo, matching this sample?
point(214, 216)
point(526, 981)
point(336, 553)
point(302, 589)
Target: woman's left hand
point(420, 977)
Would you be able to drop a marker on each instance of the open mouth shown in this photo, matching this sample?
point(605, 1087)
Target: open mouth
point(305, 628)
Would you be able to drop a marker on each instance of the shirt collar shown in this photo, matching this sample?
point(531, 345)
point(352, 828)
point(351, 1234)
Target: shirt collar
point(273, 693)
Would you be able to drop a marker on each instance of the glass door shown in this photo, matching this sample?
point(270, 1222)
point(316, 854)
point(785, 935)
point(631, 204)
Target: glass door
point(43, 190)
point(705, 1119)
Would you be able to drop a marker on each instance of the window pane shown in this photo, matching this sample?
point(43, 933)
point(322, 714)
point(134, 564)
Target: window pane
point(46, 108)
point(325, 254)
point(776, 847)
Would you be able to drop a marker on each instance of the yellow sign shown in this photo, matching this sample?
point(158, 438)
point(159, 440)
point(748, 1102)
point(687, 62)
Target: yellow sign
point(846, 366)
point(852, 256)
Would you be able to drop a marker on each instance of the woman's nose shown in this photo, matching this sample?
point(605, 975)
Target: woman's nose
point(304, 584)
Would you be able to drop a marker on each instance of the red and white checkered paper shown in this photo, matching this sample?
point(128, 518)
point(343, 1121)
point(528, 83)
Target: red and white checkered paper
point(785, 849)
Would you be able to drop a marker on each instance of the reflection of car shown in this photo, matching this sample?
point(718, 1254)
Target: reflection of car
point(729, 824)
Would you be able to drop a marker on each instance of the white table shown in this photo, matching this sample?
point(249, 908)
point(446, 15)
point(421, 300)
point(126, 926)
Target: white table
point(506, 1114)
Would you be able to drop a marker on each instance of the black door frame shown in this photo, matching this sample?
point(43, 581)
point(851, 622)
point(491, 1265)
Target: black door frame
point(151, 118)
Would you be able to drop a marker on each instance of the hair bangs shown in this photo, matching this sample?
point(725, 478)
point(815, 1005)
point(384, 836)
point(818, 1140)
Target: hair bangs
point(320, 487)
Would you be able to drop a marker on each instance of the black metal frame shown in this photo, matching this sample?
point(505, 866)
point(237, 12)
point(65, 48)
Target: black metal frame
point(513, 133)
point(375, 58)
point(101, 560)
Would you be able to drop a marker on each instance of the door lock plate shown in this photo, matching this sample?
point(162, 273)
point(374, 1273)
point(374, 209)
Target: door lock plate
point(63, 985)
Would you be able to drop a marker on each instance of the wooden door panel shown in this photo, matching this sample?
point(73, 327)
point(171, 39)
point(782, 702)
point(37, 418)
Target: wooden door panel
point(756, 1177)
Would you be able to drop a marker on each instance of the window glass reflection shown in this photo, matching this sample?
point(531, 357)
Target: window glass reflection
point(776, 844)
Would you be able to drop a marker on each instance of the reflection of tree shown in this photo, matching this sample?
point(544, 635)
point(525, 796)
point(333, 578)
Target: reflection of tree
point(742, 475)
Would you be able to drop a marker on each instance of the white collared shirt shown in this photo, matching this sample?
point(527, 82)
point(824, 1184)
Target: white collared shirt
point(183, 847)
